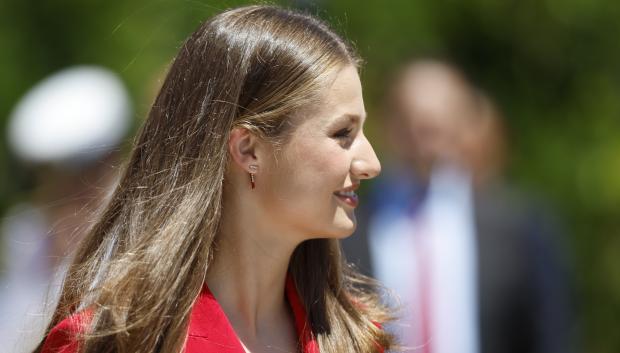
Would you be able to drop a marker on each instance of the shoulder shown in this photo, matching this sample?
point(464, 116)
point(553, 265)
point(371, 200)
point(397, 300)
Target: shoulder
point(63, 338)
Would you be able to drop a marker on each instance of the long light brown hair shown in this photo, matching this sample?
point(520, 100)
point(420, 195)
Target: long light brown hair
point(143, 264)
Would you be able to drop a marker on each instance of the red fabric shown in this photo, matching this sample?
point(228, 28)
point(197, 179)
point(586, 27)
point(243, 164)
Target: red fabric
point(209, 329)
point(306, 337)
point(62, 338)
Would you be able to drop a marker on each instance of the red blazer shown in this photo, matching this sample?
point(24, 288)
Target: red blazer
point(209, 328)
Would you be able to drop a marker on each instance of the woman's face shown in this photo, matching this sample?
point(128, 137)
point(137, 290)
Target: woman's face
point(309, 185)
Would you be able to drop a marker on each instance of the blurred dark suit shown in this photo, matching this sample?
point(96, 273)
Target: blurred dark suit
point(523, 299)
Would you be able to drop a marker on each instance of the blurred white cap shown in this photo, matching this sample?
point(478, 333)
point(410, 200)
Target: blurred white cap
point(73, 116)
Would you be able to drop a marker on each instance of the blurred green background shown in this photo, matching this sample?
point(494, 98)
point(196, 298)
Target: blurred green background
point(553, 67)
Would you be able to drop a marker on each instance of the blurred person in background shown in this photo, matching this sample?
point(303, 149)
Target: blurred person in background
point(472, 261)
point(67, 130)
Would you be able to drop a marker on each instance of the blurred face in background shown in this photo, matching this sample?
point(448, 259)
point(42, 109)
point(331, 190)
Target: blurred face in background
point(434, 109)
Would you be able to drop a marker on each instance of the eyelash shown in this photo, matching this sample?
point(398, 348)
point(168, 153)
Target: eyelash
point(344, 133)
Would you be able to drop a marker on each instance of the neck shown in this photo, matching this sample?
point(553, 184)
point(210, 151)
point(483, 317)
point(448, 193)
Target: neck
point(248, 274)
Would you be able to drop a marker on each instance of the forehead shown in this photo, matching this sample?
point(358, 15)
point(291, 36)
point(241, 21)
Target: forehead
point(342, 99)
point(434, 95)
point(345, 87)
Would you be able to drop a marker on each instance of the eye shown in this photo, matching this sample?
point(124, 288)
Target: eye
point(343, 133)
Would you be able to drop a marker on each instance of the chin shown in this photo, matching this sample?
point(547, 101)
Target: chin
point(346, 235)
point(344, 228)
point(338, 225)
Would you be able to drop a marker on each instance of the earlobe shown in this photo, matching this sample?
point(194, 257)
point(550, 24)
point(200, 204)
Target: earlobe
point(241, 146)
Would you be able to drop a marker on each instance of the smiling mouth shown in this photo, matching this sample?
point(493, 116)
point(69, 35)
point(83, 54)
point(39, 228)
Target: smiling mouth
point(348, 196)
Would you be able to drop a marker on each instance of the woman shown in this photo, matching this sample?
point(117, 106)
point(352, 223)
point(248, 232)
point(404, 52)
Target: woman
point(240, 184)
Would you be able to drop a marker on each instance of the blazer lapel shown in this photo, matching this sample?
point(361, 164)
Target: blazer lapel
point(209, 328)
point(211, 332)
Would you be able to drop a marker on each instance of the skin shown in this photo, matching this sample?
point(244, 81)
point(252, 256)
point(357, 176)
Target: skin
point(293, 201)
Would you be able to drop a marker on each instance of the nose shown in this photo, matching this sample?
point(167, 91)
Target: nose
point(365, 164)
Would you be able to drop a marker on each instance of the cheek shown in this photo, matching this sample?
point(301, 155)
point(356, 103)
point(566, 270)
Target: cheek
point(300, 192)
point(322, 165)
point(308, 173)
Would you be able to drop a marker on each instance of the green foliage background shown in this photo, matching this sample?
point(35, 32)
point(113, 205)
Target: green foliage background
point(553, 66)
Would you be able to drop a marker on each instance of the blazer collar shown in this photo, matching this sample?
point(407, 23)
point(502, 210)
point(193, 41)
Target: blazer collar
point(209, 322)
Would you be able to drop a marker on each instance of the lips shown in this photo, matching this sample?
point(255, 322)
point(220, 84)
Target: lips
point(348, 195)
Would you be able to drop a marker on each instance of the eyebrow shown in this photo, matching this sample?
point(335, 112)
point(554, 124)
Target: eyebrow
point(353, 118)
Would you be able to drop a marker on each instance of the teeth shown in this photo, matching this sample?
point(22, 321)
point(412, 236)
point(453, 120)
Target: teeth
point(347, 193)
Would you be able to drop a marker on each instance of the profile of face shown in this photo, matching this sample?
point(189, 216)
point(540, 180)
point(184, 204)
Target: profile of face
point(308, 186)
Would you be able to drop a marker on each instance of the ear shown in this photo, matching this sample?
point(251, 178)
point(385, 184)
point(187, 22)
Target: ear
point(242, 146)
